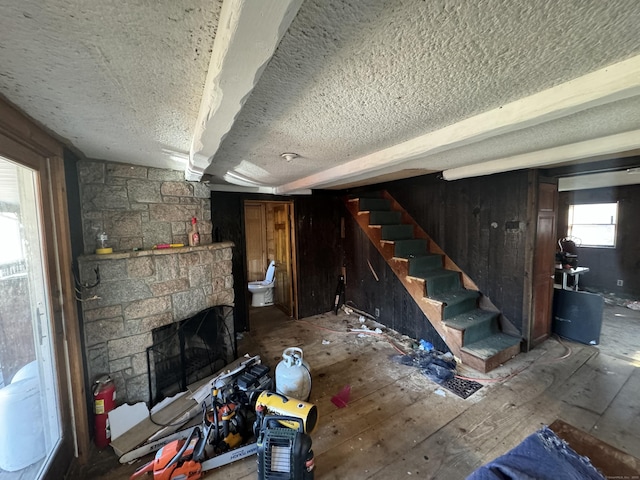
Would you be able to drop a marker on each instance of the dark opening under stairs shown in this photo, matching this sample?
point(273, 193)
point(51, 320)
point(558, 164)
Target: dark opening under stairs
point(468, 322)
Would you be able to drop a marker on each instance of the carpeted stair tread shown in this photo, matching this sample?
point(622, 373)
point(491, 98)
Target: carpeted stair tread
point(490, 346)
point(475, 324)
point(457, 301)
point(470, 318)
point(419, 264)
point(371, 204)
point(456, 296)
point(410, 247)
point(385, 217)
point(426, 272)
point(436, 273)
point(397, 232)
point(440, 281)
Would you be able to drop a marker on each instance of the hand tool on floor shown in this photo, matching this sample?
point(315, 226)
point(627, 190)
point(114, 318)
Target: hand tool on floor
point(182, 459)
point(226, 425)
point(250, 377)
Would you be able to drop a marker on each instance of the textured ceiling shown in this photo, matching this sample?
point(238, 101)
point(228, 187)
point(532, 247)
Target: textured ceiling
point(121, 80)
point(124, 80)
point(351, 78)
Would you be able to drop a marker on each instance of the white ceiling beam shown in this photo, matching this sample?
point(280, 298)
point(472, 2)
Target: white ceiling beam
point(248, 34)
point(613, 83)
point(549, 156)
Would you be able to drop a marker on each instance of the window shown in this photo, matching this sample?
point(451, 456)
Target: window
point(594, 225)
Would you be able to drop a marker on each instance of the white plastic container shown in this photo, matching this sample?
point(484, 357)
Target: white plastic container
point(21, 433)
point(293, 375)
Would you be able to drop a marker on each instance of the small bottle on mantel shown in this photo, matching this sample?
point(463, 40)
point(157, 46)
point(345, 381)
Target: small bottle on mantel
point(194, 236)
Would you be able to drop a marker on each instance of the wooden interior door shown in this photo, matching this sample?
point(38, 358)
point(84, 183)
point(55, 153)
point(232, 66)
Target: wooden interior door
point(256, 240)
point(282, 238)
point(543, 263)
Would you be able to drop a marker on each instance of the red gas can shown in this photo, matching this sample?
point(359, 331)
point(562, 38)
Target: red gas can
point(104, 400)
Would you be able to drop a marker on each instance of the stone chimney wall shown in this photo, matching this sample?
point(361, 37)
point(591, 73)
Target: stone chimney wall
point(139, 291)
point(142, 288)
point(139, 207)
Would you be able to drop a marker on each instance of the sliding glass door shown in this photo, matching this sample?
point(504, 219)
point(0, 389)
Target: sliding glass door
point(30, 400)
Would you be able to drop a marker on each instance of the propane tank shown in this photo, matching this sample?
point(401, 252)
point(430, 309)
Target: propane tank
point(104, 400)
point(293, 375)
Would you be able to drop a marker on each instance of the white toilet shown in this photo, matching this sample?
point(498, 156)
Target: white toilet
point(262, 290)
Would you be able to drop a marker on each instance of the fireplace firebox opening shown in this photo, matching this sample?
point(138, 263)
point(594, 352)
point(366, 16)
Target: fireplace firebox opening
point(187, 351)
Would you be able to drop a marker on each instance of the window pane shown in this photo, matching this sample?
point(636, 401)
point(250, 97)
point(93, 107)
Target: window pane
point(594, 235)
point(29, 408)
point(599, 213)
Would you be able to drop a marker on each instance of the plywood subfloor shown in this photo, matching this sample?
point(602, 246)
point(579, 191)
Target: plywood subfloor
point(399, 424)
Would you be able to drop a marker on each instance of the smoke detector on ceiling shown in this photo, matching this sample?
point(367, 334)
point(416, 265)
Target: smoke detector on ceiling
point(289, 156)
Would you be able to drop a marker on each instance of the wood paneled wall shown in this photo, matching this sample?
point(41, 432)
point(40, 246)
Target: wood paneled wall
point(319, 247)
point(227, 217)
point(319, 254)
point(608, 265)
point(481, 223)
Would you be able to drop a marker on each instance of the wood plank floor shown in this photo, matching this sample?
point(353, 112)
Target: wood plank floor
point(399, 424)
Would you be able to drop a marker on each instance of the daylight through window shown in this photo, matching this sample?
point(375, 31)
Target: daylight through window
point(594, 225)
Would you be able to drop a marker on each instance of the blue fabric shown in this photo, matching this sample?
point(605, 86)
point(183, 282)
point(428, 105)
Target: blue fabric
point(540, 456)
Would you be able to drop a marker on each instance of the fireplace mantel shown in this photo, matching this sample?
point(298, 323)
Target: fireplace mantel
point(156, 251)
point(139, 291)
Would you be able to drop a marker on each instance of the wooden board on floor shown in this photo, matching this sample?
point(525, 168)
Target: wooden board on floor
point(612, 462)
point(144, 430)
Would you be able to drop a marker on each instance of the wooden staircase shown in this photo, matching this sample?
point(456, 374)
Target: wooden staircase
point(465, 319)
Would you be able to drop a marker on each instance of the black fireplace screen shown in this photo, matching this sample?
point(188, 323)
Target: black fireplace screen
point(185, 352)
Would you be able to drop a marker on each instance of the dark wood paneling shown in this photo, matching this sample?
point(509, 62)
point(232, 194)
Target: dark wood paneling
point(319, 251)
point(227, 217)
point(318, 244)
point(607, 265)
point(481, 223)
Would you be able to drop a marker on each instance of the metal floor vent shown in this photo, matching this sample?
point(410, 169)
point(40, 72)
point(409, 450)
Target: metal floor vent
point(462, 388)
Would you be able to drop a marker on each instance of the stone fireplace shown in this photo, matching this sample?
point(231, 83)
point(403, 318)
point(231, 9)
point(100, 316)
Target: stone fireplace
point(138, 291)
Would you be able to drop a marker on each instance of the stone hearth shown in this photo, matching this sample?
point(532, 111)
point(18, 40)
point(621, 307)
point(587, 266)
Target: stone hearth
point(143, 290)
